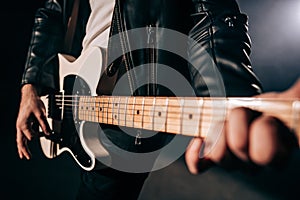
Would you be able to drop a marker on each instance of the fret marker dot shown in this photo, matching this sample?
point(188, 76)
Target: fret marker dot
point(159, 114)
point(190, 116)
point(100, 109)
point(87, 108)
point(115, 116)
point(138, 112)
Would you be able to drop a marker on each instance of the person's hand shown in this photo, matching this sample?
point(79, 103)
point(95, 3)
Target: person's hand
point(32, 110)
point(248, 136)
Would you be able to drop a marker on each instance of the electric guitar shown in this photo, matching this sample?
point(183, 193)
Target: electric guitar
point(78, 103)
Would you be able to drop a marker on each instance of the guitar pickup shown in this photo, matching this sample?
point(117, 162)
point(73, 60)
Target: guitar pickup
point(55, 106)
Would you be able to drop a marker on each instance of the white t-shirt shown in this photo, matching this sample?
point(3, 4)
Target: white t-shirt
point(98, 26)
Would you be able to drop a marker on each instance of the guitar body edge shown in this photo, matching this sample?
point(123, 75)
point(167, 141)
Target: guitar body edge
point(89, 61)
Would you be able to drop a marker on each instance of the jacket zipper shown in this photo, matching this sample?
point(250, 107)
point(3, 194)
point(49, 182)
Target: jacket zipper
point(151, 41)
point(122, 32)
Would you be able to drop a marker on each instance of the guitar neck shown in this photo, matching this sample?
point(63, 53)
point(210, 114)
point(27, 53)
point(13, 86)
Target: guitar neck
point(190, 116)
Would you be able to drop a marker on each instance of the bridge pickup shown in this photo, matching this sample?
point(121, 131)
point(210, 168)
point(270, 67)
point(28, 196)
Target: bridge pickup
point(55, 106)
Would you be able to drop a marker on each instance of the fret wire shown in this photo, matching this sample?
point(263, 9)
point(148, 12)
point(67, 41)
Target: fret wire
point(106, 106)
point(105, 109)
point(116, 109)
point(200, 117)
point(88, 103)
point(125, 113)
point(79, 111)
point(97, 109)
point(134, 98)
point(166, 123)
point(113, 110)
point(82, 105)
point(102, 109)
point(107, 103)
point(143, 105)
point(88, 106)
point(84, 102)
point(93, 109)
point(153, 114)
point(182, 110)
point(119, 110)
point(100, 113)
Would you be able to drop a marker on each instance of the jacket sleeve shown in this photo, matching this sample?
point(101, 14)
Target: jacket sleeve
point(219, 50)
point(46, 41)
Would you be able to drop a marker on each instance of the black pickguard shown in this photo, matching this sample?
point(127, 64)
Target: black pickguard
point(68, 136)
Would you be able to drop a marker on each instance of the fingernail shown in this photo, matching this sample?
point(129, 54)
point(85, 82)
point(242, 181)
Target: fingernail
point(48, 132)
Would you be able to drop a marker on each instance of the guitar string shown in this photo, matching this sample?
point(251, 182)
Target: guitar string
point(188, 98)
point(109, 113)
point(107, 100)
point(90, 104)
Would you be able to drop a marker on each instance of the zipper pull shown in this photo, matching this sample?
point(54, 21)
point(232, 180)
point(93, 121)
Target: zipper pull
point(138, 138)
point(150, 31)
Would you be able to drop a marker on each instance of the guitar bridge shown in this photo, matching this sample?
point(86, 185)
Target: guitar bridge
point(54, 137)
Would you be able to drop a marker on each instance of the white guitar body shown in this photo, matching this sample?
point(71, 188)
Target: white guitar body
point(190, 116)
point(88, 67)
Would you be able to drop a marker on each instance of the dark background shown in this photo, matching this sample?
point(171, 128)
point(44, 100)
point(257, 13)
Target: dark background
point(275, 30)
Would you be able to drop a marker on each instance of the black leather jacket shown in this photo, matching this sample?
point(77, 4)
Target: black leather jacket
point(49, 28)
point(217, 25)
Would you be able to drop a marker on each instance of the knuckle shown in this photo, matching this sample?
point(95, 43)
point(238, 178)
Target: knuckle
point(237, 141)
point(39, 115)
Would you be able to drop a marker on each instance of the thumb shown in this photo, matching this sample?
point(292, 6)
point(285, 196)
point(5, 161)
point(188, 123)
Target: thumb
point(293, 91)
point(192, 158)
